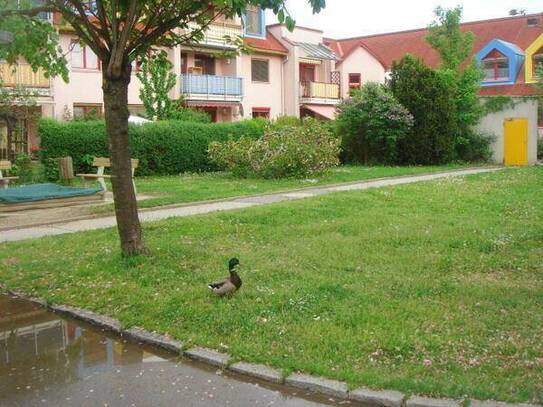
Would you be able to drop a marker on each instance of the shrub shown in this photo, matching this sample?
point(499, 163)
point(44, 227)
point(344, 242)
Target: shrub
point(186, 114)
point(27, 170)
point(167, 147)
point(540, 148)
point(370, 124)
point(429, 97)
point(295, 151)
point(474, 147)
point(287, 121)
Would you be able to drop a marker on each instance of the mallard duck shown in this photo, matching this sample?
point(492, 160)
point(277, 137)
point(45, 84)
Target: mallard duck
point(229, 285)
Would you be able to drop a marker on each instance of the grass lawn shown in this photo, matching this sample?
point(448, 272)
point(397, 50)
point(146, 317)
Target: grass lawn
point(200, 187)
point(433, 288)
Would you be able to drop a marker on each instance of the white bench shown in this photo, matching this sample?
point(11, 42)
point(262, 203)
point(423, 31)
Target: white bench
point(4, 181)
point(102, 163)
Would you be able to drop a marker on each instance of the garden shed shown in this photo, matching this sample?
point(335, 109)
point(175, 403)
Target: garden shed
point(514, 127)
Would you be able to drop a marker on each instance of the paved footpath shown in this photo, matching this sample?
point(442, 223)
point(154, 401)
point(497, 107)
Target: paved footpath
point(224, 205)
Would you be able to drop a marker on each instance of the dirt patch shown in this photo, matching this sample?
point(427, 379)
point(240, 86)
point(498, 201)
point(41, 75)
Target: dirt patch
point(14, 220)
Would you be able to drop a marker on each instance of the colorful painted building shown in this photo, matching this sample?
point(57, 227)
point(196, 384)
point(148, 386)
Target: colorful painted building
point(508, 50)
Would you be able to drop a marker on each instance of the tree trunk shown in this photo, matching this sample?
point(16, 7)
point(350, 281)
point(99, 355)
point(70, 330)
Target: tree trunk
point(126, 208)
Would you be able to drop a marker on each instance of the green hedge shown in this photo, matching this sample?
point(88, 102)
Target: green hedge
point(168, 147)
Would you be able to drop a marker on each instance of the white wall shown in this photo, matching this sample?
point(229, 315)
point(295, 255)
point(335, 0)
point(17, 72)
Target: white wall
point(494, 124)
point(257, 94)
point(299, 34)
point(291, 73)
point(360, 61)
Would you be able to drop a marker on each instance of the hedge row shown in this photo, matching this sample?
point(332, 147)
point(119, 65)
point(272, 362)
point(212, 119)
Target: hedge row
point(169, 147)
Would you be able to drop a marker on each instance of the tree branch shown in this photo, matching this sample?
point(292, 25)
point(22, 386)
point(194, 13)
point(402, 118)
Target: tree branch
point(29, 12)
point(115, 63)
point(145, 41)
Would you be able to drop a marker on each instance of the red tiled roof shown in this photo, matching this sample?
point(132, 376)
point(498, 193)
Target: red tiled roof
point(334, 45)
point(269, 44)
point(518, 89)
point(393, 46)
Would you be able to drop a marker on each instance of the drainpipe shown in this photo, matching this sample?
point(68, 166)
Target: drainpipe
point(285, 60)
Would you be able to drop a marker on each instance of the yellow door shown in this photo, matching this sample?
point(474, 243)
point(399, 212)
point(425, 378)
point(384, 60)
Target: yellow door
point(516, 142)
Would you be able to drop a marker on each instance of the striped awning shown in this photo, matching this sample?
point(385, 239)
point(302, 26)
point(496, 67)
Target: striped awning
point(211, 103)
point(310, 61)
point(325, 111)
point(317, 51)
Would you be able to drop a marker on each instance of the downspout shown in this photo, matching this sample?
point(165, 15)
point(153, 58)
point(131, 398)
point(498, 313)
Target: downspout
point(285, 60)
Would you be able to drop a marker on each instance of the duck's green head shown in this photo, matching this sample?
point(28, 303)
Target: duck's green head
point(233, 263)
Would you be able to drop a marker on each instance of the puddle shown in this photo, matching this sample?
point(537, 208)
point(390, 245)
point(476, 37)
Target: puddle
point(48, 360)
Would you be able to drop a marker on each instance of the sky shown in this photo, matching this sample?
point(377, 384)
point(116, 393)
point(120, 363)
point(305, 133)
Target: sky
point(351, 18)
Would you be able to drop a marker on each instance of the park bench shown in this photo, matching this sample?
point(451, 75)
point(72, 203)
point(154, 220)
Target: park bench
point(4, 180)
point(102, 163)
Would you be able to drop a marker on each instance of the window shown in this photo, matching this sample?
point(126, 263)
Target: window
point(205, 63)
point(184, 62)
point(254, 21)
point(84, 111)
point(538, 60)
point(307, 73)
point(83, 57)
point(260, 71)
point(496, 68)
point(533, 22)
point(44, 15)
point(355, 80)
point(13, 138)
point(263, 112)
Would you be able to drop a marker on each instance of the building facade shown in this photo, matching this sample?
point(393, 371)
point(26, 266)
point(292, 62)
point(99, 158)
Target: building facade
point(295, 73)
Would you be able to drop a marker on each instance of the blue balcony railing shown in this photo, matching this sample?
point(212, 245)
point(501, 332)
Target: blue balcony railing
point(211, 87)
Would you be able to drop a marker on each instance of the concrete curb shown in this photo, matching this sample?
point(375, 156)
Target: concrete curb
point(328, 387)
point(154, 339)
point(417, 401)
point(103, 322)
point(261, 372)
point(208, 356)
point(382, 398)
point(320, 385)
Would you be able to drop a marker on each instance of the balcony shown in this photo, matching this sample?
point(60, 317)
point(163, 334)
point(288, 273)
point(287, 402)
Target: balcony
point(215, 34)
point(23, 75)
point(211, 87)
point(319, 92)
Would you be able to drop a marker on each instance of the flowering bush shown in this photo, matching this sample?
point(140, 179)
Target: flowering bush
point(371, 122)
point(289, 151)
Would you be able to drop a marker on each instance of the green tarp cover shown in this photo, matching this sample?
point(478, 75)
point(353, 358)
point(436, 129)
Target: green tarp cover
point(40, 192)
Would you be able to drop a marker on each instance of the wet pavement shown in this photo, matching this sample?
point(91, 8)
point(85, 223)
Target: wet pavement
point(47, 360)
